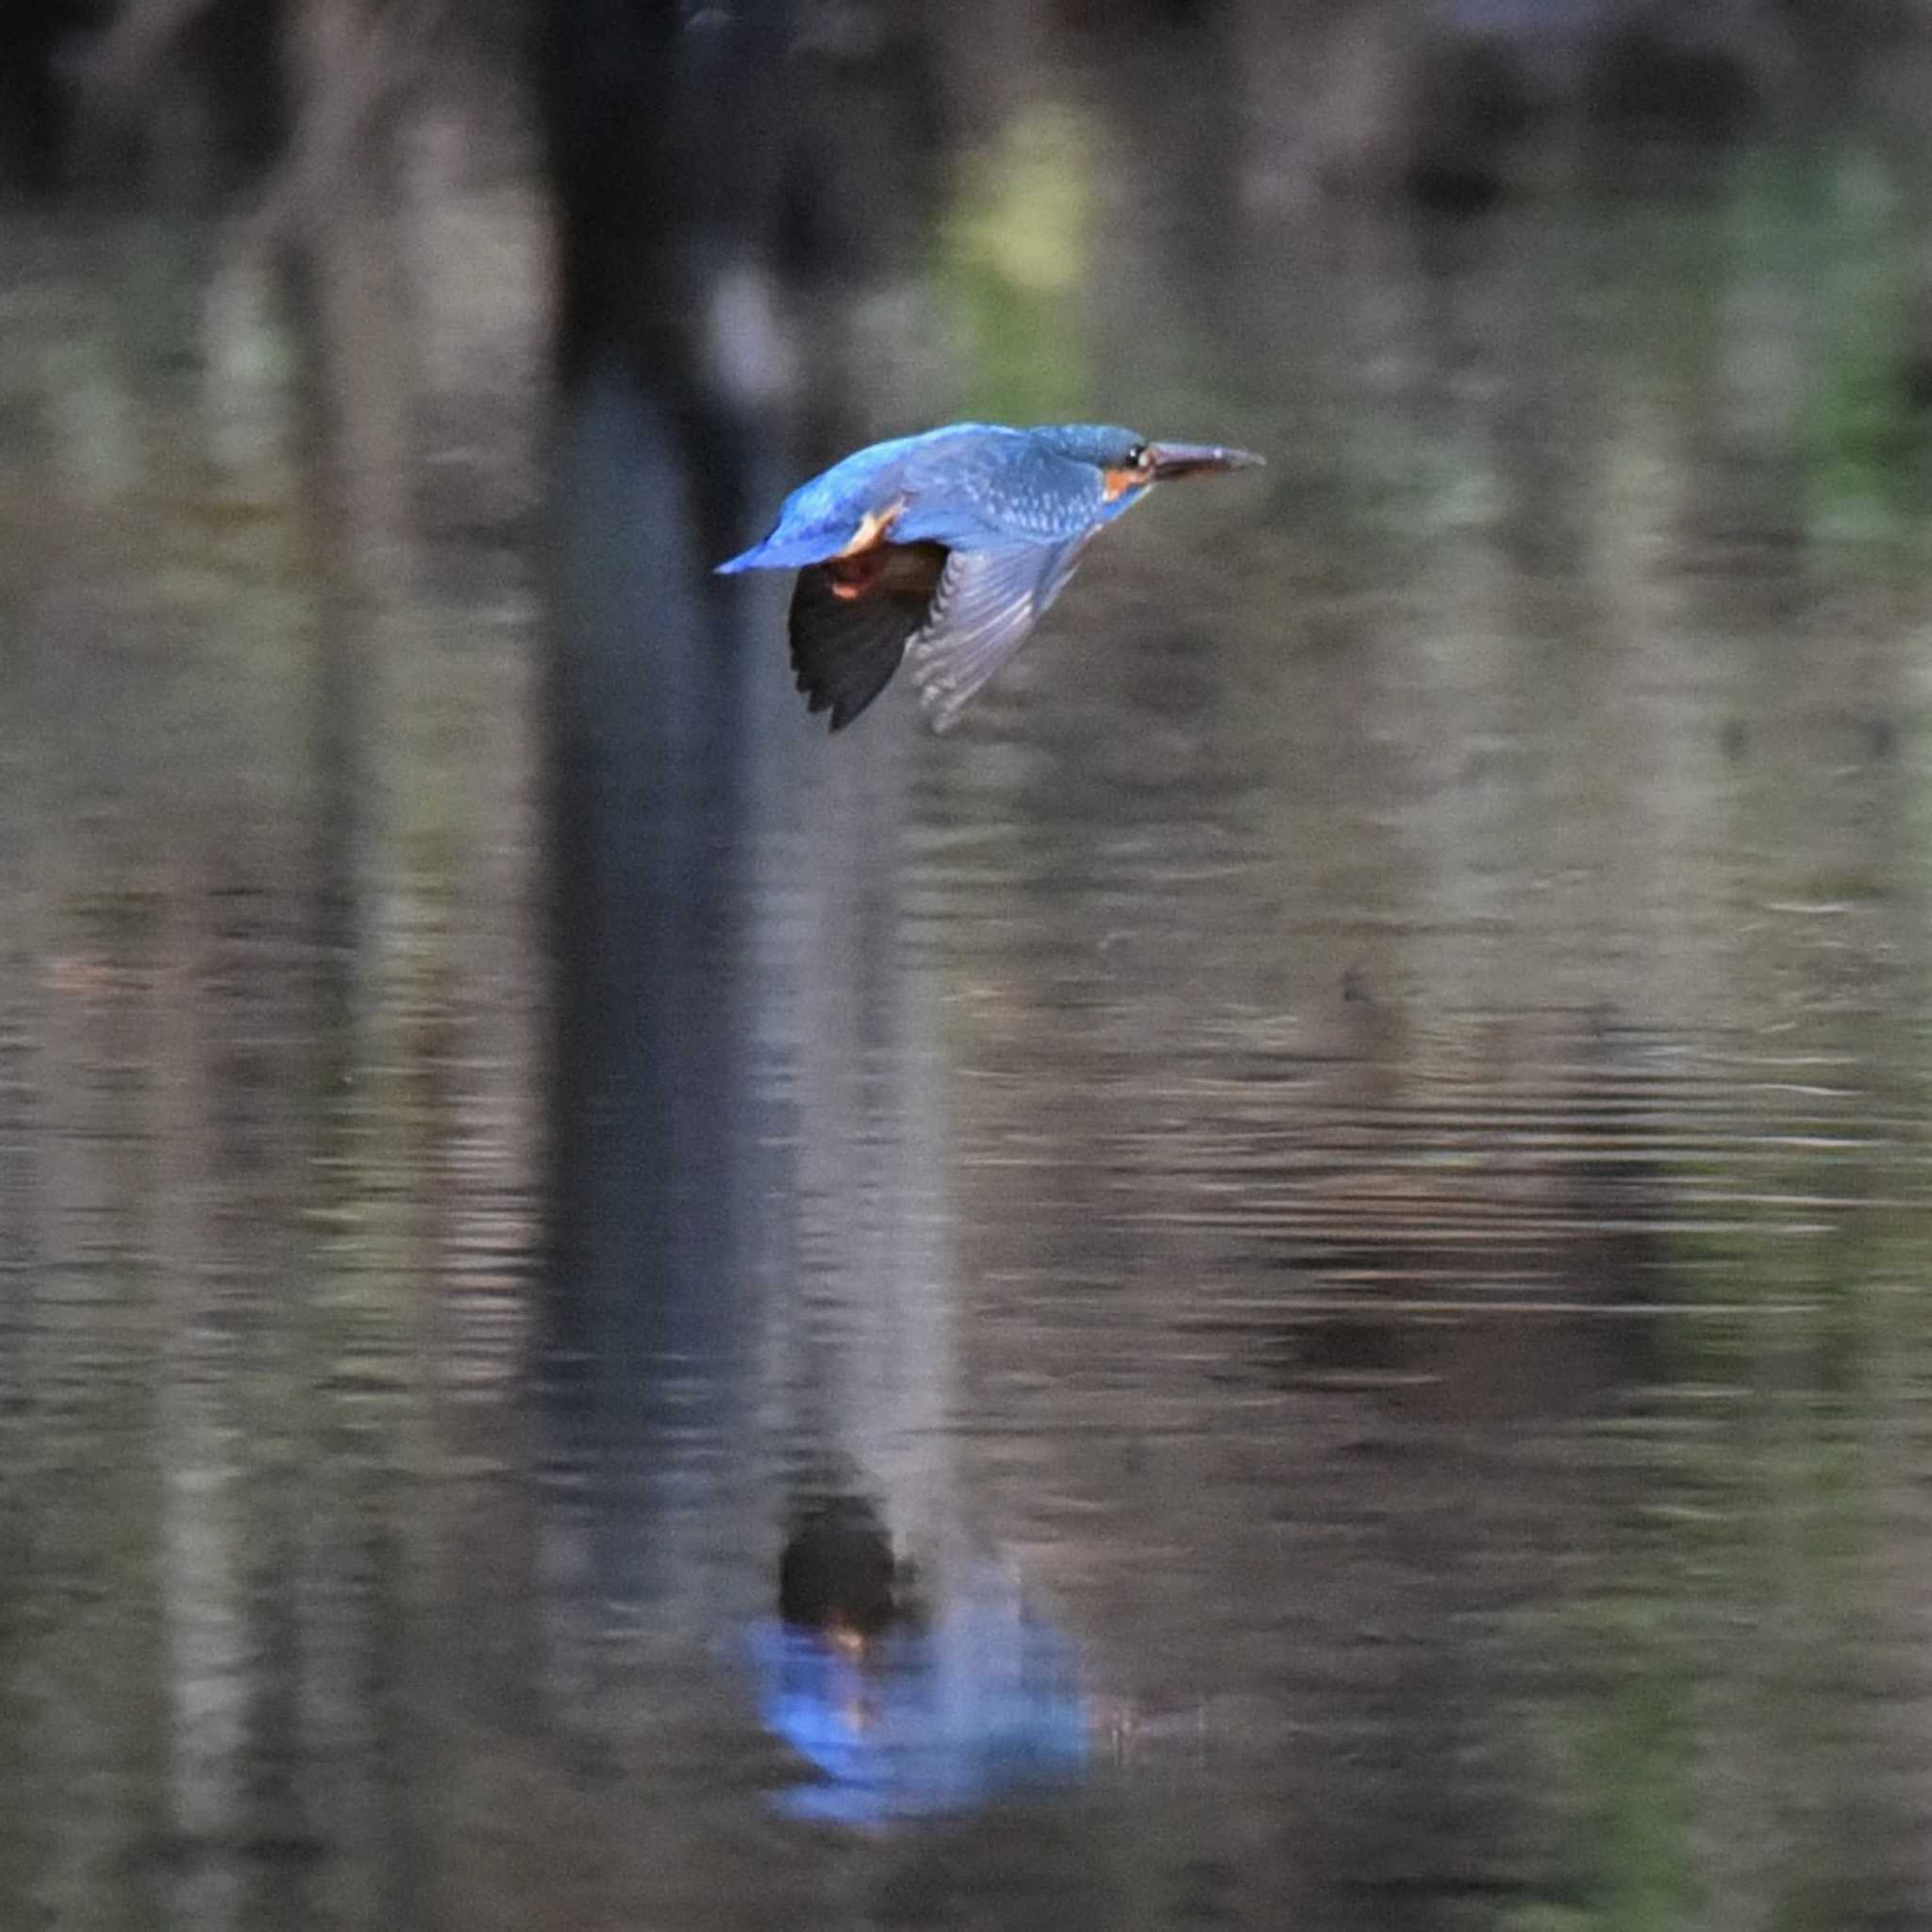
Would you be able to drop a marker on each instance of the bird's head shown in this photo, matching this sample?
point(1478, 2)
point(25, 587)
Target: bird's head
point(1130, 464)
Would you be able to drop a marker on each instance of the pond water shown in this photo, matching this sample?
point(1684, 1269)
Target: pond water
point(1341, 1168)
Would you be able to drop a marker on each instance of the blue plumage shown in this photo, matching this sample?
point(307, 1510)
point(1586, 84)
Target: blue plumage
point(946, 548)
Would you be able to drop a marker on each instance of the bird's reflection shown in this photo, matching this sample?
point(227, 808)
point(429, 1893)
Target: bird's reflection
point(906, 1699)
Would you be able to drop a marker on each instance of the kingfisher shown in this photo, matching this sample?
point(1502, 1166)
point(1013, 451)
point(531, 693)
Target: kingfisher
point(945, 550)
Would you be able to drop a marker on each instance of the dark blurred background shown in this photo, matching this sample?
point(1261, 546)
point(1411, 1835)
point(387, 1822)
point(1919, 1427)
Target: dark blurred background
point(1282, 1284)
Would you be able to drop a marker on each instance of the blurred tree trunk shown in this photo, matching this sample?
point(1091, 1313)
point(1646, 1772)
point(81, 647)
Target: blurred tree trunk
point(336, 207)
point(665, 136)
point(715, 178)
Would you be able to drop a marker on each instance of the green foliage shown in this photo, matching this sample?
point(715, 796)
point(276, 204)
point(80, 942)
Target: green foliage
point(1013, 262)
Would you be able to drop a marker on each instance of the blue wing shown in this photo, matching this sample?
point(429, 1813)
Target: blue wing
point(985, 607)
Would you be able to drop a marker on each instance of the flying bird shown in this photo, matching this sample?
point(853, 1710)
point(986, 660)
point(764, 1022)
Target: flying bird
point(945, 549)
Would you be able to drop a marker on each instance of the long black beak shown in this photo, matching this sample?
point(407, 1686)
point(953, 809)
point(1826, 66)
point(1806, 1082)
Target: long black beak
point(1172, 460)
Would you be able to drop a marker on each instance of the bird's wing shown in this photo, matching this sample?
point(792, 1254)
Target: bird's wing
point(985, 606)
point(847, 641)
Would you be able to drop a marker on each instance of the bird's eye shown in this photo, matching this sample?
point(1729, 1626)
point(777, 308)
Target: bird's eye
point(1138, 457)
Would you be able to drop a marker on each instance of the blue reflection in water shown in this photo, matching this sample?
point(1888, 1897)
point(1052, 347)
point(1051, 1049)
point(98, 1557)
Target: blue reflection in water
point(984, 1698)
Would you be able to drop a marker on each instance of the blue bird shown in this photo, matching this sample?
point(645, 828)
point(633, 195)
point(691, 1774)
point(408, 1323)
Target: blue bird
point(945, 549)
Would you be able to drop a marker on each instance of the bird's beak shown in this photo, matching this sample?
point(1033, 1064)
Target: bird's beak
point(1172, 460)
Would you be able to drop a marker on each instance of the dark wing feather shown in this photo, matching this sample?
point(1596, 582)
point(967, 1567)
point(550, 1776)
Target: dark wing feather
point(845, 648)
point(985, 607)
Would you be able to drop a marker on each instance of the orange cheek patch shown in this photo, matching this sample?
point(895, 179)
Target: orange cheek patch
point(1116, 483)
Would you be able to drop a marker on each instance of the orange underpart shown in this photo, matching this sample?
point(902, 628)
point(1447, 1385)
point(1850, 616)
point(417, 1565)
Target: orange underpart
point(903, 570)
point(853, 576)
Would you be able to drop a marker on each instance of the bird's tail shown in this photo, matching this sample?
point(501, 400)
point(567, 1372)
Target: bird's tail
point(788, 547)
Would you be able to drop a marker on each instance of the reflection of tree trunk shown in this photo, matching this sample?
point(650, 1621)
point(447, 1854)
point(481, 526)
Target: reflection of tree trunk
point(199, 1555)
point(24, 1780)
point(648, 729)
point(679, 952)
point(873, 1369)
point(345, 1717)
point(21, 1782)
point(20, 966)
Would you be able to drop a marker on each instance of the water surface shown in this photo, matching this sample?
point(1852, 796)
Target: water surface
point(1348, 1152)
